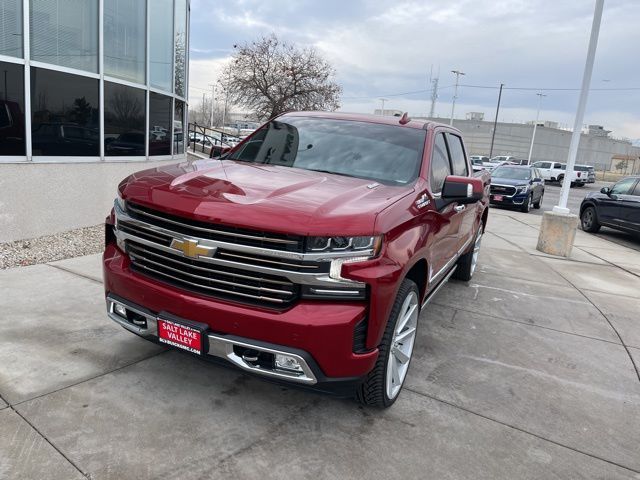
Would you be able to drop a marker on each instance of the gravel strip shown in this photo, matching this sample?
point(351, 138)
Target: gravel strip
point(74, 243)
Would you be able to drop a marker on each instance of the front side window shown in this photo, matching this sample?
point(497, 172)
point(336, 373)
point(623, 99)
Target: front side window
point(440, 165)
point(12, 139)
point(125, 37)
point(160, 115)
point(623, 186)
point(65, 32)
point(11, 28)
point(387, 154)
point(65, 117)
point(458, 159)
point(124, 110)
point(636, 191)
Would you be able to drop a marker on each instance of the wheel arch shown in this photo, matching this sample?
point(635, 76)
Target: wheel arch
point(418, 275)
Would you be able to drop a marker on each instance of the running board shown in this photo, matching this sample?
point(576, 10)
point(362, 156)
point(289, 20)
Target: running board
point(433, 292)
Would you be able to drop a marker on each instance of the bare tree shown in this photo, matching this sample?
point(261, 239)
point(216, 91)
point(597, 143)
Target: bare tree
point(270, 77)
point(200, 113)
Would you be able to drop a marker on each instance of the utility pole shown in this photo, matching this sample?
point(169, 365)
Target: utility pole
point(455, 93)
point(213, 99)
point(382, 100)
point(226, 98)
point(582, 104)
point(495, 122)
point(535, 126)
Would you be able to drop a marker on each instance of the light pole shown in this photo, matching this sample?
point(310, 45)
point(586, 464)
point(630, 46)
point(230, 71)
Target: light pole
point(535, 126)
point(455, 93)
point(382, 100)
point(495, 122)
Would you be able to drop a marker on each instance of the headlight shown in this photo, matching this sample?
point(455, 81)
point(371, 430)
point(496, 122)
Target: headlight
point(522, 189)
point(344, 244)
point(122, 205)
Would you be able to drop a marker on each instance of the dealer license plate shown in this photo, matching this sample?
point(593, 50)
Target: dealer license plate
point(498, 198)
point(180, 335)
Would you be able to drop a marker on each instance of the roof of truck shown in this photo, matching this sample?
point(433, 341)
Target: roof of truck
point(363, 117)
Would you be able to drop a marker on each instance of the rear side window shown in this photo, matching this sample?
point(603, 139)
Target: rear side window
point(458, 158)
point(440, 166)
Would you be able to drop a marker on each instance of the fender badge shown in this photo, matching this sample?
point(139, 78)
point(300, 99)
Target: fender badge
point(423, 201)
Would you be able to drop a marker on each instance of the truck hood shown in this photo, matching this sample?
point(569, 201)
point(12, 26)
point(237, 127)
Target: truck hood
point(265, 197)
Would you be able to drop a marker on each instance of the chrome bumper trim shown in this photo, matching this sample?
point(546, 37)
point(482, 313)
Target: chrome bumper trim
point(219, 346)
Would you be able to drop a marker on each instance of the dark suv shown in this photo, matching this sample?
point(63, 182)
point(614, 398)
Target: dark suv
point(616, 207)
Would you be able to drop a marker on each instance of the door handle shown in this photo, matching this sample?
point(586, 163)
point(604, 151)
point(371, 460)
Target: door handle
point(459, 208)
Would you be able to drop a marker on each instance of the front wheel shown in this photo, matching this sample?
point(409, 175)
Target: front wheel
point(383, 384)
point(589, 220)
point(537, 204)
point(527, 204)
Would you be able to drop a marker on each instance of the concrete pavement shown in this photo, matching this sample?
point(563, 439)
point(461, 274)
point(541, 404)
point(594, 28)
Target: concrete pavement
point(524, 372)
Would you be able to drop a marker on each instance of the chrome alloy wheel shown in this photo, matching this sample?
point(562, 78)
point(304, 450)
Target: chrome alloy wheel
point(476, 249)
point(587, 218)
point(404, 337)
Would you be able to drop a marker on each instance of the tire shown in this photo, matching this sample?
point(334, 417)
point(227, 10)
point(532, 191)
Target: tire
point(466, 265)
point(589, 220)
point(561, 180)
point(379, 388)
point(537, 204)
point(526, 206)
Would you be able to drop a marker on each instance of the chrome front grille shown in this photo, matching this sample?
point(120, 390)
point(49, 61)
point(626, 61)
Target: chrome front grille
point(210, 279)
point(221, 233)
point(506, 190)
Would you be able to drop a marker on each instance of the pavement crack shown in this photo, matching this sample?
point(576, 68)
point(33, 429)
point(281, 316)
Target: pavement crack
point(87, 277)
point(519, 429)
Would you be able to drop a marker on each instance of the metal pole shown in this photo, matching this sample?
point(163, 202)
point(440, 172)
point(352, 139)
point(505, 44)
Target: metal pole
point(213, 98)
point(582, 104)
point(495, 122)
point(535, 126)
point(382, 100)
point(455, 93)
point(226, 98)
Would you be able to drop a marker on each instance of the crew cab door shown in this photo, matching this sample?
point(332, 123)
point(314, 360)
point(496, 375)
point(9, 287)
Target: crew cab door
point(460, 166)
point(443, 224)
point(544, 168)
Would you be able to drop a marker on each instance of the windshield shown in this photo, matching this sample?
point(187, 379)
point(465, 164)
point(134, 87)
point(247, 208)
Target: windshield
point(388, 154)
point(580, 168)
point(514, 173)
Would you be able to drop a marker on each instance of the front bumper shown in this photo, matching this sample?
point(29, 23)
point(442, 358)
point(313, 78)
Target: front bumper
point(321, 333)
point(515, 200)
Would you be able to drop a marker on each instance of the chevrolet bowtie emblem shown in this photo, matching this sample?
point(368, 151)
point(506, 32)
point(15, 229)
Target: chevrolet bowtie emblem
point(191, 249)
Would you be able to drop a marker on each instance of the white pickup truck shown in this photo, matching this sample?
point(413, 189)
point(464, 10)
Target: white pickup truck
point(556, 172)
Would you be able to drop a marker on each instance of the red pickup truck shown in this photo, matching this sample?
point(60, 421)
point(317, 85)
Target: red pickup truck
point(305, 253)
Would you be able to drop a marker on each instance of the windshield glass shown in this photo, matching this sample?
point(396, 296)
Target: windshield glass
point(581, 169)
point(387, 154)
point(514, 173)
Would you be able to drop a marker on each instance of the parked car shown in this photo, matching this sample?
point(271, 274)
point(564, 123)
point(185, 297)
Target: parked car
point(555, 172)
point(581, 175)
point(505, 158)
point(616, 207)
point(304, 254)
point(492, 165)
point(517, 186)
point(477, 162)
point(588, 173)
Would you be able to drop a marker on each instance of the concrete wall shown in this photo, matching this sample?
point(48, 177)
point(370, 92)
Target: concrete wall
point(43, 198)
point(551, 143)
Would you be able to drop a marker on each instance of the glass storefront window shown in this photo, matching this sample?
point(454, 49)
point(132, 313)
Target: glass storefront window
point(180, 47)
point(125, 39)
point(161, 44)
point(178, 128)
point(11, 28)
point(65, 116)
point(159, 124)
point(11, 109)
point(65, 32)
point(124, 126)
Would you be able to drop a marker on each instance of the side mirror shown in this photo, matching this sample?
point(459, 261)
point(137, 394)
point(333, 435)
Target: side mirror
point(606, 190)
point(462, 190)
point(537, 179)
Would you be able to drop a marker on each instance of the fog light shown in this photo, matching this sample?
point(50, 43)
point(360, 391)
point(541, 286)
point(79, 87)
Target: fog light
point(120, 310)
point(287, 362)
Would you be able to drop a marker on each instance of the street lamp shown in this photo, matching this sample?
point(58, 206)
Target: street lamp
point(535, 126)
point(455, 93)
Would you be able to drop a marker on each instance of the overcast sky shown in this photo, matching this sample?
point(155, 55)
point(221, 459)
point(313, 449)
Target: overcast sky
point(386, 48)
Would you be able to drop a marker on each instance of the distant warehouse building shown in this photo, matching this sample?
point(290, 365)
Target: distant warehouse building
point(597, 148)
point(90, 91)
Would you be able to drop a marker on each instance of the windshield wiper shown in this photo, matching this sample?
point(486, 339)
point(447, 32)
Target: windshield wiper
point(330, 171)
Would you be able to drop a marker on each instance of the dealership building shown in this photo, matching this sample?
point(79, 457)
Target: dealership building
point(90, 91)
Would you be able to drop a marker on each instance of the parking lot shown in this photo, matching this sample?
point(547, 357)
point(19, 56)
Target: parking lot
point(527, 371)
